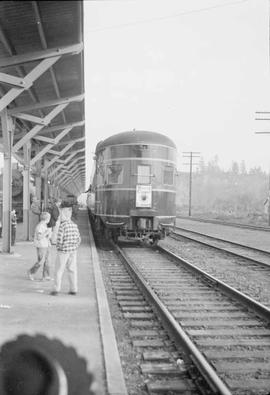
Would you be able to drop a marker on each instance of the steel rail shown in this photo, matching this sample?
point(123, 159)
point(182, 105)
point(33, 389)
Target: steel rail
point(234, 224)
point(223, 249)
point(223, 240)
point(179, 335)
point(251, 304)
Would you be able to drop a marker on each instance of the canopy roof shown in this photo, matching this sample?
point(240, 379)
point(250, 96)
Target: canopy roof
point(42, 86)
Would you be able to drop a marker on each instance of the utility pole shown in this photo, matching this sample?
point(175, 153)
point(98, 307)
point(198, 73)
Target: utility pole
point(191, 155)
point(268, 208)
point(264, 116)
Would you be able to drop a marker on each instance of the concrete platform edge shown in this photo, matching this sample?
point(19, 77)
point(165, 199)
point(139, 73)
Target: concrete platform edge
point(113, 369)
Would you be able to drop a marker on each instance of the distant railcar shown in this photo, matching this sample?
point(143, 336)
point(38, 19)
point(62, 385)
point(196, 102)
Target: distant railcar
point(133, 191)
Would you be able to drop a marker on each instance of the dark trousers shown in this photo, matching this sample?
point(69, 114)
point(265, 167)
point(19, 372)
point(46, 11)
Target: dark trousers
point(13, 234)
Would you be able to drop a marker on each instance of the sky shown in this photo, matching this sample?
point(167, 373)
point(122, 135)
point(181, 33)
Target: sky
point(194, 70)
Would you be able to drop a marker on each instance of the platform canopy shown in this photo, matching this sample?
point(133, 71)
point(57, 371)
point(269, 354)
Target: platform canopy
point(42, 89)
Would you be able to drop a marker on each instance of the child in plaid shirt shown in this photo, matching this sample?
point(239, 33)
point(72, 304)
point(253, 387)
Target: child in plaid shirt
point(68, 241)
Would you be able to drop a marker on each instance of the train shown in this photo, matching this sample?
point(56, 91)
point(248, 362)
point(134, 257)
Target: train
point(133, 187)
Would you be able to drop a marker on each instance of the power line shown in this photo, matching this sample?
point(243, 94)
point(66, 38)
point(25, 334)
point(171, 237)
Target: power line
point(184, 13)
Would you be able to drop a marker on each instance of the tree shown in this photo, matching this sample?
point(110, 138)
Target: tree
point(235, 168)
point(213, 166)
point(243, 169)
point(201, 166)
point(256, 170)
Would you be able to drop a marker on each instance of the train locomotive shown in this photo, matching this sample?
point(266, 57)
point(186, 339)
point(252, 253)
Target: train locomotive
point(132, 193)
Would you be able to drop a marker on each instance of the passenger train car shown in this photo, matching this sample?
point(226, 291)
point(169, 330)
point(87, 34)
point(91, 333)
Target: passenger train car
point(133, 191)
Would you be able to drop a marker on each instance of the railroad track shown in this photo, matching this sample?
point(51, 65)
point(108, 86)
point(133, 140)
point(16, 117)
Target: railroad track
point(222, 334)
point(162, 368)
point(256, 255)
point(226, 223)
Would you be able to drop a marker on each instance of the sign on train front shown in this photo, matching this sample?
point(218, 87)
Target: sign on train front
point(143, 195)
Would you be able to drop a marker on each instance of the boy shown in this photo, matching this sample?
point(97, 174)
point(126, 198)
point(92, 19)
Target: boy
point(42, 243)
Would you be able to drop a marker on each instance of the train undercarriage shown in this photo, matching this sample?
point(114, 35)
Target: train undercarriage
point(140, 229)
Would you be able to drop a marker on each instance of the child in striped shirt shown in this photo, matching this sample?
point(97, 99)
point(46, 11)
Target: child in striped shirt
point(42, 243)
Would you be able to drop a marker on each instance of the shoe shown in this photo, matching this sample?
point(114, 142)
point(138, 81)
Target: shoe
point(54, 293)
point(48, 278)
point(30, 275)
point(72, 293)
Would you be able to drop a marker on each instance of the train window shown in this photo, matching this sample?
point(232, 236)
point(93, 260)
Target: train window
point(144, 175)
point(139, 150)
point(168, 175)
point(115, 174)
point(100, 174)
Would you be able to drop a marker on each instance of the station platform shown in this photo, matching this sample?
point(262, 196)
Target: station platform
point(26, 307)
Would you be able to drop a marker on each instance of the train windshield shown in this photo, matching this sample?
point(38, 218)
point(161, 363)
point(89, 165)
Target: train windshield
point(115, 174)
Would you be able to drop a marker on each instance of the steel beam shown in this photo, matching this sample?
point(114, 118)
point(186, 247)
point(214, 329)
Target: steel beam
point(81, 165)
point(62, 162)
point(67, 173)
point(11, 80)
point(71, 181)
point(63, 173)
point(30, 118)
point(38, 128)
point(63, 126)
point(71, 156)
point(65, 177)
point(28, 80)
point(8, 131)
point(57, 168)
point(54, 129)
point(54, 152)
point(61, 154)
point(45, 139)
point(78, 167)
point(42, 36)
point(74, 140)
point(38, 55)
point(20, 70)
point(71, 164)
point(19, 158)
point(48, 103)
point(76, 173)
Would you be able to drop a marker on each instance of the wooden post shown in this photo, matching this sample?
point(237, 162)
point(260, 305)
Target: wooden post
point(8, 131)
point(38, 179)
point(26, 190)
point(45, 185)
